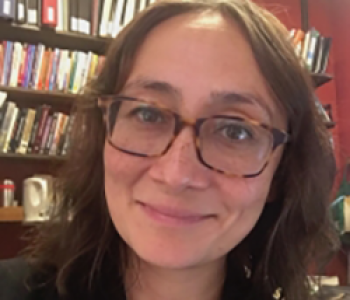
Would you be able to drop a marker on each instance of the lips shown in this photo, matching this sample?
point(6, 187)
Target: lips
point(171, 215)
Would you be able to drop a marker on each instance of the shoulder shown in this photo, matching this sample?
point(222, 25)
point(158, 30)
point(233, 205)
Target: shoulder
point(18, 281)
point(13, 274)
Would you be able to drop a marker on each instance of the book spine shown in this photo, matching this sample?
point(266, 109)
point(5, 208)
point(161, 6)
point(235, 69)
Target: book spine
point(11, 129)
point(24, 60)
point(6, 123)
point(29, 65)
point(35, 128)
point(23, 144)
point(46, 134)
point(11, 133)
point(41, 127)
point(54, 70)
point(67, 137)
point(19, 132)
point(51, 133)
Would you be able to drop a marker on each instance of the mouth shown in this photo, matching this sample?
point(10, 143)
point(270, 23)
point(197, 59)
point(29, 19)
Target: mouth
point(170, 216)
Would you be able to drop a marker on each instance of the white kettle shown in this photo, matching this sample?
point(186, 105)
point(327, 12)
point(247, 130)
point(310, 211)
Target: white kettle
point(37, 193)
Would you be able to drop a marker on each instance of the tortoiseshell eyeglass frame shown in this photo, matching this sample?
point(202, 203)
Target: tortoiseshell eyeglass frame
point(279, 137)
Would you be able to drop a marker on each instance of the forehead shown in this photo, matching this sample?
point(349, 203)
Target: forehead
point(201, 54)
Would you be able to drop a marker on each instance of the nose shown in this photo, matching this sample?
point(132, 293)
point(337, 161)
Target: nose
point(179, 167)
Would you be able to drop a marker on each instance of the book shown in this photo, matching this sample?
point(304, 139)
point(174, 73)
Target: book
point(84, 16)
point(73, 15)
point(10, 130)
point(8, 9)
point(6, 124)
point(21, 11)
point(24, 141)
point(49, 13)
point(33, 12)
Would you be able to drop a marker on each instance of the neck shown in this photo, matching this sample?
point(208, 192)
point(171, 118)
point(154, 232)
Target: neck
point(149, 282)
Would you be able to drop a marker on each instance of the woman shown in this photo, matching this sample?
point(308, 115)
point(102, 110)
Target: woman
point(199, 168)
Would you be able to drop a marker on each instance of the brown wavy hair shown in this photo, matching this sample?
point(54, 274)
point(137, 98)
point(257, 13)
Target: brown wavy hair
point(80, 252)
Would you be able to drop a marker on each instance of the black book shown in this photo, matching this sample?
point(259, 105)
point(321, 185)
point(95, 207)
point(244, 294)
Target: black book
point(8, 9)
point(3, 110)
point(325, 55)
point(14, 143)
point(73, 15)
point(84, 16)
point(33, 134)
point(33, 12)
point(21, 11)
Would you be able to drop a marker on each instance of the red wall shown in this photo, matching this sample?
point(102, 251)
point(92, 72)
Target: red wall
point(331, 18)
point(288, 11)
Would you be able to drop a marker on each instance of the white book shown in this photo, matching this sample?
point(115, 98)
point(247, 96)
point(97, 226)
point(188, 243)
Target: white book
point(61, 69)
point(3, 96)
point(143, 4)
point(86, 69)
point(10, 126)
point(59, 26)
point(118, 17)
point(65, 83)
point(129, 11)
point(65, 16)
point(107, 6)
point(16, 63)
point(306, 46)
point(77, 78)
point(6, 123)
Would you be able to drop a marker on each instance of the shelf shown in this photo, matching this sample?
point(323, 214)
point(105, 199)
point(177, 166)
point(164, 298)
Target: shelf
point(38, 96)
point(51, 38)
point(330, 125)
point(321, 79)
point(11, 214)
point(31, 157)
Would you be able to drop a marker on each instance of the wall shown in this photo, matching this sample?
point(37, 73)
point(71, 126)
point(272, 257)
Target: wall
point(331, 18)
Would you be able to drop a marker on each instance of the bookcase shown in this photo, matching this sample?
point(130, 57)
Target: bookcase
point(40, 31)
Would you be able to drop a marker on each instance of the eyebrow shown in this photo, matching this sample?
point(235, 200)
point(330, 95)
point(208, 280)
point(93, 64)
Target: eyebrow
point(222, 97)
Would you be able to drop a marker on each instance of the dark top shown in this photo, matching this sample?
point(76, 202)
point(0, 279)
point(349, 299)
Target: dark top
point(12, 279)
point(15, 283)
point(19, 282)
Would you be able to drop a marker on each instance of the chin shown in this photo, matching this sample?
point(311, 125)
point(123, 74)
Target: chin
point(170, 258)
point(171, 251)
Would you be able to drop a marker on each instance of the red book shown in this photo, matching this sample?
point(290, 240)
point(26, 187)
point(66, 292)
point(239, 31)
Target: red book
point(24, 61)
point(49, 13)
point(49, 70)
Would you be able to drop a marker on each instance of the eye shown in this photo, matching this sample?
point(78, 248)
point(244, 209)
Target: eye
point(148, 114)
point(236, 132)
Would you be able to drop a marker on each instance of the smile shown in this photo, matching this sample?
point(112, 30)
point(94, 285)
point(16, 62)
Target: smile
point(172, 217)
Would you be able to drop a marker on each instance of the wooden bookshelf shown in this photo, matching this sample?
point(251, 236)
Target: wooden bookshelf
point(321, 79)
point(38, 96)
point(51, 38)
point(11, 214)
point(32, 157)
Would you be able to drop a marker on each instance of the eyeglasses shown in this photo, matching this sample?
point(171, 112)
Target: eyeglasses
point(231, 145)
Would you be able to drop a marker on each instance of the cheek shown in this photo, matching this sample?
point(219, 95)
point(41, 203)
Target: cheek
point(122, 171)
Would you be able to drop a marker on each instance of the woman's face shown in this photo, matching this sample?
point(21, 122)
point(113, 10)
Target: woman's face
point(173, 211)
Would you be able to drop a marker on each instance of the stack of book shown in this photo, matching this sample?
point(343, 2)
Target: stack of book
point(93, 17)
point(312, 48)
point(34, 131)
point(41, 68)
